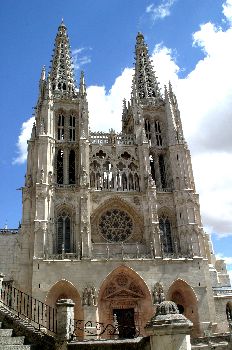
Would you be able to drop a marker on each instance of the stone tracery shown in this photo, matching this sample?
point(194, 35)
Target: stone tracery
point(115, 225)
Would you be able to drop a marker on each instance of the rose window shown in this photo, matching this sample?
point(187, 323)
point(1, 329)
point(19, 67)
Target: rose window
point(115, 225)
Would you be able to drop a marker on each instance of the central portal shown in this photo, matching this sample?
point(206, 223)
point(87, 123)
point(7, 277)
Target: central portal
point(126, 322)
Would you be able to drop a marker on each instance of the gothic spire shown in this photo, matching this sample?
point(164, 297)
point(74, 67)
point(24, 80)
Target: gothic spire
point(61, 74)
point(145, 80)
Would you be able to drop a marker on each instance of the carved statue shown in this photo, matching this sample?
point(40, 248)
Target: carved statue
point(84, 177)
point(41, 176)
point(151, 181)
point(89, 296)
point(158, 294)
point(92, 296)
point(50, 177)
point(85, 296)
point(28, 181)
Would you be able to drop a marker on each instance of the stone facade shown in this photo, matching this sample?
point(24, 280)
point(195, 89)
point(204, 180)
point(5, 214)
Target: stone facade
point(112, 220)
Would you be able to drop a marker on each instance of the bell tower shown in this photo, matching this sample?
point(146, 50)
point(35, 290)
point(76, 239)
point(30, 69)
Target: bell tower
point(173, 218)
point(55, 195)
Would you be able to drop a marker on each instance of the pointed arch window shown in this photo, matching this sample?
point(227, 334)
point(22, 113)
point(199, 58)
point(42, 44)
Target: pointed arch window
point(72, 125)
point(158, 135)
point(166, 234)
point(147, 129)
point(60, 127)
point(60, 166)
point(152, 167)
point(162, 171)
point(64, 233)
point(72, 167)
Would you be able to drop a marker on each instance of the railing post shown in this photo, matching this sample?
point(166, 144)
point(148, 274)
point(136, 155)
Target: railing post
point(168, 329)
point(65, 322)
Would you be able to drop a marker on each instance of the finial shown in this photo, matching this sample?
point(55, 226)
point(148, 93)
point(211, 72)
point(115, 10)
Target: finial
point(62, 23)
point(82, 87)
point(140, 36)
point(43, 73)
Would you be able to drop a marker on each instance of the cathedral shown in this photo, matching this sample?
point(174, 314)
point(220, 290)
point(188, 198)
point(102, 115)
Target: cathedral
point(112, 219)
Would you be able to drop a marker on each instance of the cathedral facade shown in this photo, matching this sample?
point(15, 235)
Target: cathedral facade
point(112, 220)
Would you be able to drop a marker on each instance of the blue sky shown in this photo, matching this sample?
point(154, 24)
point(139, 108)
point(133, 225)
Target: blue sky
point(190, 43)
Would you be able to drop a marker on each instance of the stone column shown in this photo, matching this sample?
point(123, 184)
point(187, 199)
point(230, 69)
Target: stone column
point(1, 280)
point(65, 322)
point(168, 329)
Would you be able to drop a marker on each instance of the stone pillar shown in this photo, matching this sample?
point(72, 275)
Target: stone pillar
point(168, 329)
point(65, 322)
point(1, 280)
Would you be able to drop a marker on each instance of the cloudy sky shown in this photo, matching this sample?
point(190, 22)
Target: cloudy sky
point(190, 44)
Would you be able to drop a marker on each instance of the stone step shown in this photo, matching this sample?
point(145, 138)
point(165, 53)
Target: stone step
point(15, 347)
point(6, 332)
point(12, 340)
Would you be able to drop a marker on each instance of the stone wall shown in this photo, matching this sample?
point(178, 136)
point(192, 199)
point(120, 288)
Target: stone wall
point(9, 253)
point(82, 273)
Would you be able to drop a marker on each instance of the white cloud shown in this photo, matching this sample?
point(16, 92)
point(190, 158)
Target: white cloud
point(105, 109)
point(228, 260)
point(205, 102)
point(22, 141)
point(161, 11)
point(79, 58)
point(227, 10)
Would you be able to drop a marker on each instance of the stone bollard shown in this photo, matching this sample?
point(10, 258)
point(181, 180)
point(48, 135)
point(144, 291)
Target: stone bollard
point(168, 329)
point(65, 322)
point(1, 280)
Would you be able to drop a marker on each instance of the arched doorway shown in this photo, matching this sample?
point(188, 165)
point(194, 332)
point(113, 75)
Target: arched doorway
point(184, 296)
point(125, 294)
point(65, 290)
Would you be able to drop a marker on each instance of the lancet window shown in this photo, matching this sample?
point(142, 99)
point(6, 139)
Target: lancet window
point(166, 234)
point(60, 166)
point(72, 122)
point(147, 129)
point(63, 233)
point(72, 167)
point(162, 171)
point(152, 168)
point(158, 133)
point(120, 174)
point(60, 127)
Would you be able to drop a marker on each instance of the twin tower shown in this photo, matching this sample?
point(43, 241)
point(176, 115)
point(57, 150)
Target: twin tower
point(113, 213)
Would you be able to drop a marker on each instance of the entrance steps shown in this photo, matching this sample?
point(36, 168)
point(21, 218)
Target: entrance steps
point(8, 342)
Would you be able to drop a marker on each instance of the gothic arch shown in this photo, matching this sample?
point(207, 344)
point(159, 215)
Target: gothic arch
point(64, 228)
point(64, 289)
point(124, 289)
point(122, 205)
point(186, 299)
point(167, 225)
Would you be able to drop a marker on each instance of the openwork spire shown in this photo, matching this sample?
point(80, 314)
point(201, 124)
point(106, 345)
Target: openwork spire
point(145, 80)
point(62, 75)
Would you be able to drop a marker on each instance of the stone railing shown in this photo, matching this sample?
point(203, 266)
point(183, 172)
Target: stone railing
point(222, 291)
point(63, 256)
point(120, 251)
point(12, 231)
point(110, 138)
